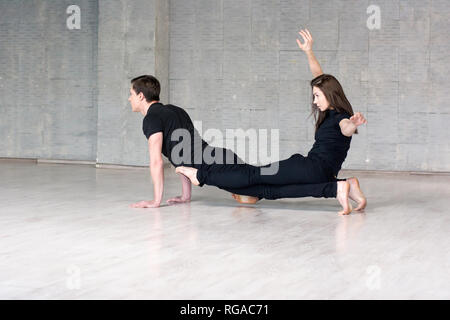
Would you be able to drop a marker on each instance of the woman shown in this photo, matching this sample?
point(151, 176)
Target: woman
point(299, 176)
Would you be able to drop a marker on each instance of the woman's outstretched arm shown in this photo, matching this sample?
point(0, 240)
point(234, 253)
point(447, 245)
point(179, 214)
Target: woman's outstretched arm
point(348, 126)
point(314, 65)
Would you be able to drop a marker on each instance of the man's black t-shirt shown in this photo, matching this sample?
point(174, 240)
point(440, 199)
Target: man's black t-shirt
point(331, 145)
point(182, 144)
point(168, 119)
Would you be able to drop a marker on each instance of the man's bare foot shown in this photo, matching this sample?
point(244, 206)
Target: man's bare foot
point(245, 199)
point(356, 193)
point(190, 173)
point(343, 190)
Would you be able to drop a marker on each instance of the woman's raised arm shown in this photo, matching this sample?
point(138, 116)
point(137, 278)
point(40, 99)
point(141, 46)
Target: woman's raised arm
point(314, 65)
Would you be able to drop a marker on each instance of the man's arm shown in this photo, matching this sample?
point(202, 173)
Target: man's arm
point(186, 189)
point(314, 65)
point(156, 165)
point(156, 171)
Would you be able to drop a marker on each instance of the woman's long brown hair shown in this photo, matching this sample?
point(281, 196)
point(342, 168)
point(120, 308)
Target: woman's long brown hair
point(335, 95)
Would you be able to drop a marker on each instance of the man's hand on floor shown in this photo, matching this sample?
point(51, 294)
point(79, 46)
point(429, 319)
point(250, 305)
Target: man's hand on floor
point(145, 204)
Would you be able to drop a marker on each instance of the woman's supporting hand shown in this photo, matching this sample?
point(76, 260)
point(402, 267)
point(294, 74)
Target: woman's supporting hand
point(308, 40)
point(358, 119)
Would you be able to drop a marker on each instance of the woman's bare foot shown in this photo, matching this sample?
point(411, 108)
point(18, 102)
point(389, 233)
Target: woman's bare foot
point(245, 199)
point(343, 190)
point(356, 193)
point(190, 173)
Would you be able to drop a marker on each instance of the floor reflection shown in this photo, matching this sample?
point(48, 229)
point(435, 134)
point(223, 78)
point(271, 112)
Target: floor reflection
point(246, 211)
point(347, 230)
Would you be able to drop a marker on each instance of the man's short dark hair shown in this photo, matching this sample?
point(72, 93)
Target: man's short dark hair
point(148, 85)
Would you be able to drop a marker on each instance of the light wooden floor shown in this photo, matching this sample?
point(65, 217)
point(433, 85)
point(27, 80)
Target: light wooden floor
point(66, 232)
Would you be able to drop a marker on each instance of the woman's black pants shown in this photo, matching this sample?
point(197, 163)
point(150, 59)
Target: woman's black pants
point(295, 177)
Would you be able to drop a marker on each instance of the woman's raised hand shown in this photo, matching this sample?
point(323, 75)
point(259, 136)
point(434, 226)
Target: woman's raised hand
point(358, 119)
point(308, 40)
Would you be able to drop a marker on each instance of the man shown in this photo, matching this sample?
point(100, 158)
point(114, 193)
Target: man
point(170, 132)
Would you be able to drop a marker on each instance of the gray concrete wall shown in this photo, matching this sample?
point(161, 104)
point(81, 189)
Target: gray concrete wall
point(126, 49)
point(48, 80)
point(235, 63)
point(231, 64)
